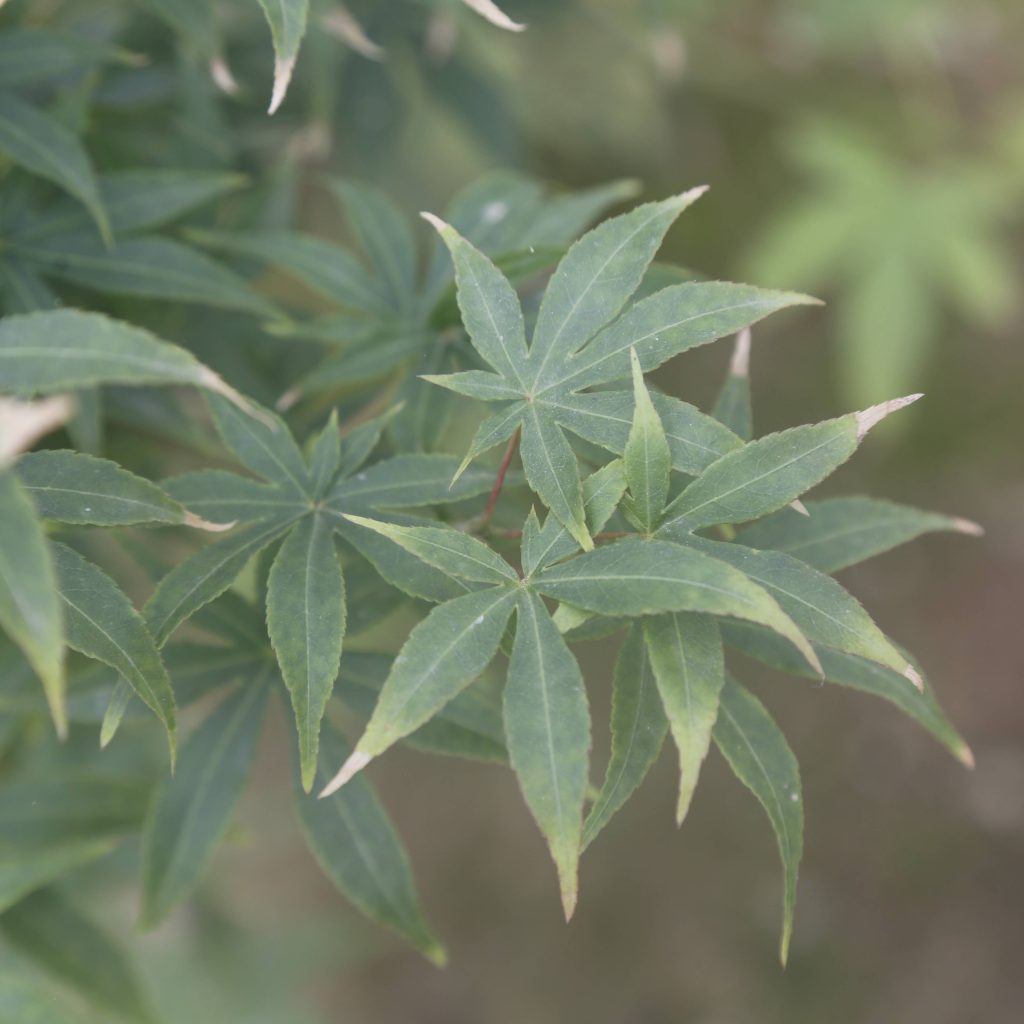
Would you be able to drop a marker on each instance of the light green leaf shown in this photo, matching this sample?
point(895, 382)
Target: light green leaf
point(634, 577)
point(30, 608)
point(449, 550)
point(759, 755)
point(43, 353)
point(114, 715)
point(762, 476)
point(858, 674)
point(101, 623)
point(323, 266)
point(547, 729)
point(224, 497)
point(47, 928)
point(493, 431)
point(646, 457)
point(823, 610)
point(695, 440)
point(265, 446)
point(443, 655)
point(383, 232)
point(671, 321)
point(489, 305)
point(43, 146)
point(840, 532)
point(685, 652)
point(287, 20)
point(553, 473)
point(638, 732)
point(733, 404)
point(191, 810)
point(306, 622)
point(593, 282)
point(488, 387)
point(147, 267)
point(206, 575)
point(357, 848)
point(71, 487)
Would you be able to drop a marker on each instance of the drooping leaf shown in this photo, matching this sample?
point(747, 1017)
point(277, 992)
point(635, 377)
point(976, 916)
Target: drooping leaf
point(306, 622)
point(30, 608)
point(71, 487)
point(101, 623)
point(840, 532)
point(191, 810)
point(44, 353)
point(858, 674)
point(45, 147)
point(633, 577)
point(547, 729)
point(47, 928)
point(355, 844)
point(646, 457)
point(444, 654)
point(759, 755)
point(638, 732)
point(685, 652)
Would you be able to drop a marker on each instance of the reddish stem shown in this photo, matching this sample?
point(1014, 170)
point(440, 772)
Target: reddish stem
point(499, 480)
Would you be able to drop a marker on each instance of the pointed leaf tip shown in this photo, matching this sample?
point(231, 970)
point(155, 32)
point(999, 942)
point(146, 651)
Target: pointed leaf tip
point(283, 69)
point(965, 756)
point(915, 677)
point(799, 506)
point(435, 222)
point(968, 526)
point(739, 365)
point(494, 14)
point(198, 523)
point(870, 417)
point(569, 897)
point(356, 762)
point(222, 76)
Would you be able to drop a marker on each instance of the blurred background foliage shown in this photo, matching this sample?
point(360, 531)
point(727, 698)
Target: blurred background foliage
point(869, 152)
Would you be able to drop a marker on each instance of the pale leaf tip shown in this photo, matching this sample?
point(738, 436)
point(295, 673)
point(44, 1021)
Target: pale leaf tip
point(356, 762)
point(341, 24)
point(435, 222)
point(283, 68)
point(691, 195)
point(739, 365)
point(214, 382)
point(198, 523)
point(569, 902)
point(288, 399)
point(915, 677)
point(965, 755)
point(222, 76)
point(799, 506)
point(968, 526)
point(870, 417)
point(494, 14)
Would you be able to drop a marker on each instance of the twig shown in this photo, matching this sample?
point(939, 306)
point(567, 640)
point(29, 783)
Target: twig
point(499, 480)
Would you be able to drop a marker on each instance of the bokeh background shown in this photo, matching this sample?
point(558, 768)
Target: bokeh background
point(870, 152)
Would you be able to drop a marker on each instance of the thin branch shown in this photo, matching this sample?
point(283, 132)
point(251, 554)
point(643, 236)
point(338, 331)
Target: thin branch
point(499, 480)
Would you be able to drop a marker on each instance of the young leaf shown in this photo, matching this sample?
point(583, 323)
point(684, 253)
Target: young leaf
point(840, 532)
point(547, 729)
point(62, 349)
point(444, 654)
point(101, 623)
point(306, 622)
point(45, 147)
point(451, 551)
point(634, 577)
point(638, 732)
point(552, 472)
point(287, 20)
point(489, 305)
point(191, 810)
point(685, 652)
point(70, 487)
point(30, 608)
point(646, 457)
point(207, 574)
point(355, 844)
point(46, 927)
point(594, 280)
point(759, 755)
point(733, 407)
